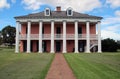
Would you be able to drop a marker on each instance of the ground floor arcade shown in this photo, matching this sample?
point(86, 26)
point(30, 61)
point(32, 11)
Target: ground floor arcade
point(58, 46)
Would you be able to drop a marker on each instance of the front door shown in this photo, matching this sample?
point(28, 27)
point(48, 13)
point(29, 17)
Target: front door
point(81, 46)
point(58, 46)
point(44, 46)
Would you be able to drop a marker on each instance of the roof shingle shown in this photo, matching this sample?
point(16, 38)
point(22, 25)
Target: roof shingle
point(58, 14)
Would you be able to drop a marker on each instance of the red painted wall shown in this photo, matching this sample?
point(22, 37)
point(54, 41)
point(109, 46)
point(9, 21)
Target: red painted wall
point(35, 29)
point(21, 46)
point(92, 29)
point(48, 45)
point(47, 28)
point(58, 25)
point(70, 45)
point(70, 28)
point(34, 46)
point(23, 28)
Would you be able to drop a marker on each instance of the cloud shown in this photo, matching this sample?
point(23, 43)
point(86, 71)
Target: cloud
point(4, 4)
point(117, 13)
point(78, 5)
point(110, 34)
point(13, 1)
point(111, 26)
point(113, 3)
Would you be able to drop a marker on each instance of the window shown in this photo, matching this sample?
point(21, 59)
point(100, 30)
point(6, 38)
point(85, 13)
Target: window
point(69, 12)
point(47, 12)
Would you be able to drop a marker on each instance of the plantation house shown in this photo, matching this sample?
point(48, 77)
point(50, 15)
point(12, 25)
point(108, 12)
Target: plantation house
point(58, 31)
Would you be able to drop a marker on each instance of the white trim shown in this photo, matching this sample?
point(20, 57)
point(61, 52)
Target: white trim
point(45, 12)
point(68, 11)
point(58, 20)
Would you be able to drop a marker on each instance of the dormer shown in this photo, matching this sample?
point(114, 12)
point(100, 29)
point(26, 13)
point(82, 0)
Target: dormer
point(69, 11)
point(47, 12)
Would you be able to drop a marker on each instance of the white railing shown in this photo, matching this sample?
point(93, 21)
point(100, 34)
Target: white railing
point(70, 36)
point(58, 36)
point(46, 36)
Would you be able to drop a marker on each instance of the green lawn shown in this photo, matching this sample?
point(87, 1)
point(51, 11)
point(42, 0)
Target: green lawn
point(95, 66)
point(23, 65)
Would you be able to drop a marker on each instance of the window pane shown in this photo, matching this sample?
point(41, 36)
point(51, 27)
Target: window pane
point(47, 12)
point(69, 12)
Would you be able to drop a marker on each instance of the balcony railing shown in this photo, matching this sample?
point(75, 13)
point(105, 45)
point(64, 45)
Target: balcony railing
point(57, 36)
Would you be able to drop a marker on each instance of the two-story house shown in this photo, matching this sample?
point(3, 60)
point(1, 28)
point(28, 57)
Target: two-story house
point(58, 31)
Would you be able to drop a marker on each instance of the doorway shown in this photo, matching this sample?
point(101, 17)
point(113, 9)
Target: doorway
point(81, 46)
point(24, 46)
point(58, 46)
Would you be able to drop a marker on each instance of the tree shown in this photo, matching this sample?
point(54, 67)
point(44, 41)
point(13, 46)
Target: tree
point(9, 33)
point(0, 38)
point(109, 45)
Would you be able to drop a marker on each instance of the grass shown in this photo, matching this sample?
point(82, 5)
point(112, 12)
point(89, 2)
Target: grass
point(23, 65)
point(95, 66)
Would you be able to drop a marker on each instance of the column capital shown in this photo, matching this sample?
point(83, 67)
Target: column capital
point(64, 21)
point(40, 20)
point(98, 21)
point(28, 20)
point(76, 21)
point(18, 21)
point(52, 21)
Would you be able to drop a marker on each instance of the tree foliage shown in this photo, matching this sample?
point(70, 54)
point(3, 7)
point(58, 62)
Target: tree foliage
point(0, 38)
point(109, 45)
point(8, 34)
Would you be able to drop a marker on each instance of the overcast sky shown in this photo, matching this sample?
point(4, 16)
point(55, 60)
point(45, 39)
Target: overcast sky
point(108, 9)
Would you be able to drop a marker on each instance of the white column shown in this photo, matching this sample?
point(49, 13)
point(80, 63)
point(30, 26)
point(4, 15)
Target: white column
point(40, 37)
point(99, 37)
point(88, 37)
point(17, 37)
point(64, 36)
point(76, 36)
point(28, 37)
point(52, 36)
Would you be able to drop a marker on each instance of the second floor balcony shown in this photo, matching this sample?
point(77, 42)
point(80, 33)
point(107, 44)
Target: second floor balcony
point(58, 36)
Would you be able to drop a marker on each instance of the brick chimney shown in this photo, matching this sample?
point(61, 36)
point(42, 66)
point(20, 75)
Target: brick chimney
point(58, 8)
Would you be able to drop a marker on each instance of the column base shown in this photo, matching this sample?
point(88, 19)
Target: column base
point(28, 52)
point(76, 52)
point(40, 52)
point(87, 52)
point(52, 52)
point(64, 52)
point(99, 51)
point(16, 52)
